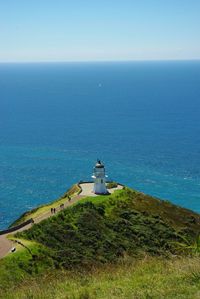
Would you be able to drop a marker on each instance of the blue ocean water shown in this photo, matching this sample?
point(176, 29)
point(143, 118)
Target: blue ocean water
point(140, 118)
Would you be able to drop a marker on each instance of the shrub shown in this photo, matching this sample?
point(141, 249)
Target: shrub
point(111, 185)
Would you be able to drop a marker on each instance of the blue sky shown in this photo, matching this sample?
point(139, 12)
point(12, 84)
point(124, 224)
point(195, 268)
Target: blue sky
point(82, 30)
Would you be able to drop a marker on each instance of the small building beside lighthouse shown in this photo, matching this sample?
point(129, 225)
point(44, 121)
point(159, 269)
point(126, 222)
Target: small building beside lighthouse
point(99, 177)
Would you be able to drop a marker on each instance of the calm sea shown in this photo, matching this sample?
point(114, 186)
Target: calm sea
point(142, 119)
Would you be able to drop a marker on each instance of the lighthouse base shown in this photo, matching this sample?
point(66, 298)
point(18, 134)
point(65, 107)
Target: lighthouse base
point(106, 193)
point(100, 189)
point(88, 189)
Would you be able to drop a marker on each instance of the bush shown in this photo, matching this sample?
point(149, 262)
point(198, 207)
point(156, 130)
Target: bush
point(111, 185)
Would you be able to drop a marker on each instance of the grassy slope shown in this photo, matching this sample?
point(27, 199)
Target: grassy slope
point(179, 218)
point(104, 229)
point(152, 278)
point(23, 264)
point(108, 229)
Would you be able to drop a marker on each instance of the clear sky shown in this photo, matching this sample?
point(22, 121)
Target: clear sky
point(74, 30)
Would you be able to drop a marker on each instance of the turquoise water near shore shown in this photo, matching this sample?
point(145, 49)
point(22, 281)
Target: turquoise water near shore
point(140, 118)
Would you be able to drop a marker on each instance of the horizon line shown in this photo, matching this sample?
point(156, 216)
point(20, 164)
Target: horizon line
point(98, 61)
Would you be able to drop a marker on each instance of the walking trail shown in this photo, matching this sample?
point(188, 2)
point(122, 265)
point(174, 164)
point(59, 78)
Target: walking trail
point(6, 245)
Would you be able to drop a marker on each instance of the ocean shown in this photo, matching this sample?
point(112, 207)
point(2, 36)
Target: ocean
point(140, 118)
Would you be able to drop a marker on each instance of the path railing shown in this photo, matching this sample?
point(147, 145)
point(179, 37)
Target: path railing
point(15, 228)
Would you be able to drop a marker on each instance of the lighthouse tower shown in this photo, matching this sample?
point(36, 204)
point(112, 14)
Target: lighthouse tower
point(99, 179)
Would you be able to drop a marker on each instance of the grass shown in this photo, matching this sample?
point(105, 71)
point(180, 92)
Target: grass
point(150, 277)
point(23, 264)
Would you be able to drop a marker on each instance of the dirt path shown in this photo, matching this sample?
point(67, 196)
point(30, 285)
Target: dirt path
point(58, 209)
point(6, 245)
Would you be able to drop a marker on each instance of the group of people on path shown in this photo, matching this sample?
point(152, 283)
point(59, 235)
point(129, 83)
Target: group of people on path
point(54, 210)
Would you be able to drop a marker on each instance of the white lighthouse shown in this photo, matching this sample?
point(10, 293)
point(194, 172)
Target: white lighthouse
point(99, 179)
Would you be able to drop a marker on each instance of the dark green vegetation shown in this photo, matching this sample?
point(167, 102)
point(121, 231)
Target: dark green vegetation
point(125, 228)
point(111, 185)
point(96, 231)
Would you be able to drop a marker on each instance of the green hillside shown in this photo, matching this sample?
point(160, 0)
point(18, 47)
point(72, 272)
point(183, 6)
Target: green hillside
point(102, 229)
point(126, 230)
